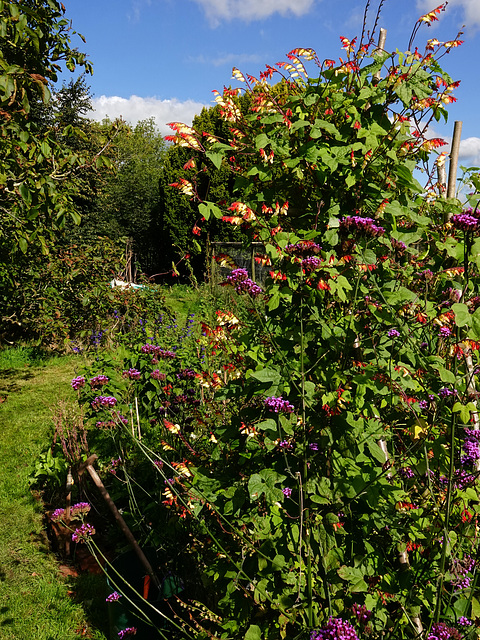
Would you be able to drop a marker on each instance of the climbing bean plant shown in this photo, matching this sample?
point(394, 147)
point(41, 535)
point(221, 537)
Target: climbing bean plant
point(329, 488)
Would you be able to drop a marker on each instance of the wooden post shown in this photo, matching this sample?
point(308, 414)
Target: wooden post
point(253, 263)
point(382, 37)
point(452, 172)
point(88, 465)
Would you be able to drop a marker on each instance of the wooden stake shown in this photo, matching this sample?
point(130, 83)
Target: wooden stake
point(452, 172)
point(382, 37)
point(88, 465)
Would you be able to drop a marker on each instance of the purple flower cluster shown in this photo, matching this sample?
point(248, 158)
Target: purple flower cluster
point(114, 463)
point(158, 375)
point(313, 446)
point(83, 533)
point(465, 222)
point(78, 382)
point(242, 283)
point(363, 226)
point(445, 332)
point(361, 613)
point(80, 509)
point(461, 479)
point(335, 629)
point(393, 333)
point(129, 631)
point(104, 401)
point(406, 472)
point(460, 570)
point(303, 248)
point(186, 374)
point(158, 352)
point(113, 597)
point(287, 492)
point(426, 274)
point(57, 515)
point(471, 446)
point(98, 381)
point(398, 246)
point(441, 631)
point(311, 263)
point(278, 405)
point(464, 622)
point(445, 392)
point(132, 374)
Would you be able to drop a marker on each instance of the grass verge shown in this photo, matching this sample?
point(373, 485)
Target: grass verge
point(36, 601)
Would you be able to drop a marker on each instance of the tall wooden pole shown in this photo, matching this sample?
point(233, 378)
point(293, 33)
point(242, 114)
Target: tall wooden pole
point(452, 172)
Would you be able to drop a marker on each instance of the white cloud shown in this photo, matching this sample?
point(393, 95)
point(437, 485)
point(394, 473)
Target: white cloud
point(136, 108)
point(470, 151)
point(221, 59)
point(218, 10)
point(470, 10)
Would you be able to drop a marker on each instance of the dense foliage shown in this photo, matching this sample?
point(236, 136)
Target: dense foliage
point(310, 465)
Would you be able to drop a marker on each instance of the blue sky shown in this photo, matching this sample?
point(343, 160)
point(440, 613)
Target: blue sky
point(163, 58)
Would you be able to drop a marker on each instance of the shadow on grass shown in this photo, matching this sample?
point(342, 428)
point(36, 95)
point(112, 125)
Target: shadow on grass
point(11, 377)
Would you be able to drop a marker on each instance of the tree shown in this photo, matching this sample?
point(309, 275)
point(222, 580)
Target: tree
point(34, 40)
point(127, 196)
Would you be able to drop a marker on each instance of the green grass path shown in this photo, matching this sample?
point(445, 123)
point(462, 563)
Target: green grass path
point(34, 599)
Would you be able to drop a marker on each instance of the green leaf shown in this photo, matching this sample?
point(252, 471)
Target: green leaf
point(475, 320)
point(25, 193)
point(462, 314)
point(216, 158)
point(263, 483)
point(207, 208)
point(446, 375)
point(261, 141)
point(253, 633)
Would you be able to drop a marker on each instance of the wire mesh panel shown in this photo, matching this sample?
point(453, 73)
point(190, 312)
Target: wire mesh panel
point(233, 255)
